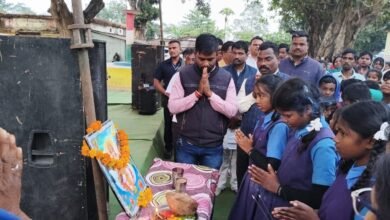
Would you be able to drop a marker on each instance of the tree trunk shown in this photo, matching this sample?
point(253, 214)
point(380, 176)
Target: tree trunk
point(63, 17)
point(140, 33)
point(60, 12)
point(133, 4)
point(347, 21)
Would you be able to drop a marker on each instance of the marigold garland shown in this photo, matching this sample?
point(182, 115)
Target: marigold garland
point(105, 158)
point(145, 197)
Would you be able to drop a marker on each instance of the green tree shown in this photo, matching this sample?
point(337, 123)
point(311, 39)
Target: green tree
point(331, 24)
point(193, 24)
point(278, 37)
point(226, 12)
point(251, 22)
point(63, 17)
point(152, 31)
point(203, 7)
point(373, 37)
point(114, 11)
point(148, 13)
point(18, 8)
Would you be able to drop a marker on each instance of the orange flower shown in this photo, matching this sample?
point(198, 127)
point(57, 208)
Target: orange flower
point(124, 142)
point(112, 163)
point(125, 147)
point(145, 197)
point(104, 162)
point(106, 159)
point(99, 155)
point(121, 133)
point(89, 130)
point(84, 150)
point(119, 164)
point(92, 153)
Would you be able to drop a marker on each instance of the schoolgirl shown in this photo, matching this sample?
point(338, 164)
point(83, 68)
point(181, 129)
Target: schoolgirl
point(265, 147)
point(359, 143)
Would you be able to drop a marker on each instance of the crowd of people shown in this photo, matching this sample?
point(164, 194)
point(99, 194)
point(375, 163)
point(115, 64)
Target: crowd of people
point(294, 137)
point(290, 134)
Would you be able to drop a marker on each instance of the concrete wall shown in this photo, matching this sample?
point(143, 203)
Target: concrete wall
point(14, 24)
point(113, 34)
point(113, 45)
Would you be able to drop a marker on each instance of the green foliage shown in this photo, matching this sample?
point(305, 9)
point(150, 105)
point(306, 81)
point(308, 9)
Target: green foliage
point(294, 13)
point(18, 8)
point(194, 23)
point(114, 11)
point(148, 13)
point(251, 22)
point(278, 37)
point(373, 37)
point(226, 12)
point(152, 31)
point(203, 7)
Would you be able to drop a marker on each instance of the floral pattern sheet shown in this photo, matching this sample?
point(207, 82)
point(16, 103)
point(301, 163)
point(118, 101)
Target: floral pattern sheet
point(201, 185)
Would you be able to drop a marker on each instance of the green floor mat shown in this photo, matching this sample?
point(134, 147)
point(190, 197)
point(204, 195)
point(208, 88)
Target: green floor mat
point(118, 97)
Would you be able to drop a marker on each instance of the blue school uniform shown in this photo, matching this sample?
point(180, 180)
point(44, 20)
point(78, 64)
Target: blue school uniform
point(267, 131)
point(337, 201)
point(300, 169)
point(362, 213)
point(270, 138)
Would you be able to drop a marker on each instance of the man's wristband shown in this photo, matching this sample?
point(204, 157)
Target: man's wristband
point(279, 191)
point(197, 94)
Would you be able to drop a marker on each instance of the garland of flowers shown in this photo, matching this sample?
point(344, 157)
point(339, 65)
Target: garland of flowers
point(106, 158)
point(145, 197)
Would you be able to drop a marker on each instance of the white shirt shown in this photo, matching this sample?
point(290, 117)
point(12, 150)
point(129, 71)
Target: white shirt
point(252, 61)
point(244, 101)
point(340, 77)
point(229, 141)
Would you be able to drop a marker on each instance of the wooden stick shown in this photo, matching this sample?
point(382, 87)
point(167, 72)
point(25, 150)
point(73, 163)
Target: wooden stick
point(89, 108)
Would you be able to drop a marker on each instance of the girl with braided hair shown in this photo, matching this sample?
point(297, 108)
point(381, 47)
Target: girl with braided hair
point(359, 143)
point(266, 146)
point(308, 164)
point(380, 194)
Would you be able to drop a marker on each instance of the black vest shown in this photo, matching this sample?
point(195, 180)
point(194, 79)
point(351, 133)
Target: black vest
point(201, 125)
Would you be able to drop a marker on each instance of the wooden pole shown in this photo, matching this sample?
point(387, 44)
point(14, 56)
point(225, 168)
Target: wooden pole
point(89, 105)
point(162, 43)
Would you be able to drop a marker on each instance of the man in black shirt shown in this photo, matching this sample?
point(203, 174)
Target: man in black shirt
point(162, 76)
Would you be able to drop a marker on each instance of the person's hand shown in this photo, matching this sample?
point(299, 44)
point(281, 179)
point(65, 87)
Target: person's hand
point(244, 142)
point(205, 81)
point(268, 180)
point(201, 85)
point(298, 211)
point(11, 165)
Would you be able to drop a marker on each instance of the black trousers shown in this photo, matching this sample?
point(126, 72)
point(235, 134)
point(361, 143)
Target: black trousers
point(167, 126)
point(242, 165)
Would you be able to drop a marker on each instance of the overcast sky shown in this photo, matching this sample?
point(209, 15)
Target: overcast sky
point(173, 10)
